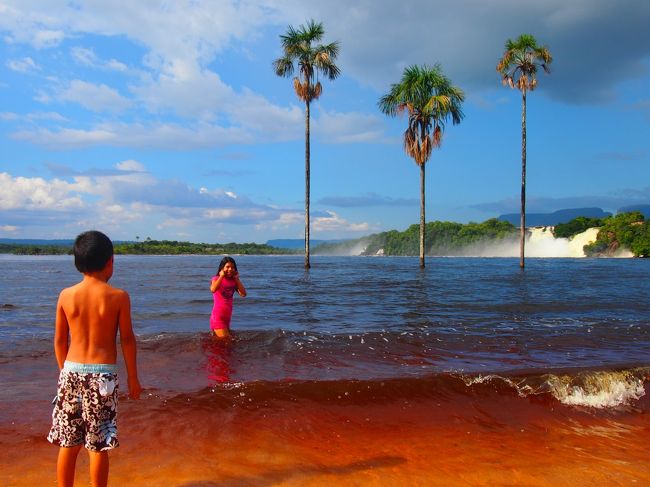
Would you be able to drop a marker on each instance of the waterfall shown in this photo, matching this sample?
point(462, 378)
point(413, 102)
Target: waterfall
point(540, 242)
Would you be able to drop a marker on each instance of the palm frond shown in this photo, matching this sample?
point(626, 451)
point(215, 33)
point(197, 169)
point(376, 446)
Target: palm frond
point(521, 60)
point(430, 99)
point(308, 59)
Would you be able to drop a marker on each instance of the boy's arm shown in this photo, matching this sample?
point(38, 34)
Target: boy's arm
point(129, 348)
point(61, 330)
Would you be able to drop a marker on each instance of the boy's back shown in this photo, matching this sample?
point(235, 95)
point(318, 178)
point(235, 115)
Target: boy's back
point(93, 310)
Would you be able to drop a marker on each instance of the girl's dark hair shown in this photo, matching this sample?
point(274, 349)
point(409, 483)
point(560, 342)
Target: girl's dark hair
point(225, 261)
point(92, 251)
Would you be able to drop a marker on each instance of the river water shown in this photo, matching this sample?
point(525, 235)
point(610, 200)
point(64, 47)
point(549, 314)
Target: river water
point(361, 371)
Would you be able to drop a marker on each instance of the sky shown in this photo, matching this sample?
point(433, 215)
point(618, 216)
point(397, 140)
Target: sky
point(165, 119)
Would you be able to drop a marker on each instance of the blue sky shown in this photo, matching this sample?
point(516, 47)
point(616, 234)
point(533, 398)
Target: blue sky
point(165, 119)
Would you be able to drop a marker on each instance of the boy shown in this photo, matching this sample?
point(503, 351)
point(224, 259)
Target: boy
point(88, 317)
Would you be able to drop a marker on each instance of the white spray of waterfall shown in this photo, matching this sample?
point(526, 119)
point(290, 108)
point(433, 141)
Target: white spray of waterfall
point(540, 242)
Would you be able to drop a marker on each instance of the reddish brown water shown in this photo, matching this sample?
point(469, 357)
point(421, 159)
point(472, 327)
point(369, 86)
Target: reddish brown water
point(418, 431)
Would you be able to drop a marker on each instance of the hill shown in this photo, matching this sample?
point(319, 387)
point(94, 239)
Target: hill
point(555, 218)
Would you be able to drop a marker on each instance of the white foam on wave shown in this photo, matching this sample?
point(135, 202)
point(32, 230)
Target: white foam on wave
point(597, 390)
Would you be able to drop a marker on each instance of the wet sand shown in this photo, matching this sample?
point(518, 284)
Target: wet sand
point(184, 441)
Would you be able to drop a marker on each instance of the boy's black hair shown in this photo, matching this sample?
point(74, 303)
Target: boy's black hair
point(223, 263)
point(92, 251)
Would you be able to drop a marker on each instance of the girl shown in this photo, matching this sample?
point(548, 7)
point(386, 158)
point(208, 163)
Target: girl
point(223, 287)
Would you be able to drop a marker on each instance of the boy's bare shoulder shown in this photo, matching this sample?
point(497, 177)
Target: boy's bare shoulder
point(84, 288)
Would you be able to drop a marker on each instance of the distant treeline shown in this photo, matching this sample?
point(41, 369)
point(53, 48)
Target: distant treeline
point(153, 247)
point(32, 249)
point(173, 247)
point(441, 237)
point(623, 231)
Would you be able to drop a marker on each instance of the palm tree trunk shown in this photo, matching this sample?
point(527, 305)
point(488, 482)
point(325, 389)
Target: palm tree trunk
point(522, 242)
point(422, 219)
point(307, 178)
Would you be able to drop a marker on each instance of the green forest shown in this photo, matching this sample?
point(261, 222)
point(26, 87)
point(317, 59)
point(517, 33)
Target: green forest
point(154, 247)
point(441, 237)
point(623, 231)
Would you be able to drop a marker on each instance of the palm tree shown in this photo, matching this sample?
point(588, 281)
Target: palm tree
point(429, 99)
point(518, 68)
point(298, 46)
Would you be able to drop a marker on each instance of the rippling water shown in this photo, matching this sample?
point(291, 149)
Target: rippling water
point(353, 348)
point(558, 312)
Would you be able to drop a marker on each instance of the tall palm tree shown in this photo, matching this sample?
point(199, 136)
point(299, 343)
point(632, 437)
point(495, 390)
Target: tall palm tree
point(430, 100)
point(299, 46)
point(518, 68)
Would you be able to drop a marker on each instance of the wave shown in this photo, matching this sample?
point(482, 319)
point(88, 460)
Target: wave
point(586, 390)
point(602, 389)
point(599, 389)
point(361, 368)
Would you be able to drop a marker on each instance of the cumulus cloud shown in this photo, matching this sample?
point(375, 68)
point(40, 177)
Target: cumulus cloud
point(176, 77)
point(465, 36)
point(129, 193)
point(38, 193)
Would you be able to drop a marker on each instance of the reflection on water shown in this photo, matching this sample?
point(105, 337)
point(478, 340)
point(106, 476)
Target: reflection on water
point(218, 352)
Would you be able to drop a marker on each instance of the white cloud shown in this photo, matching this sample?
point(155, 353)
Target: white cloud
point(98, 98)
point(157, 136)
point(23, 65)
point(8, 228)
point(87, 57)
point(129, 194)
point(38, 193)
point(334, 223)
point(47, 38)
point(130, 165)
point(31, 117)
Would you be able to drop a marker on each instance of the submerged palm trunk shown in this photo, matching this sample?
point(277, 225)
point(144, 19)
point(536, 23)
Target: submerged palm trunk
point(307, 177)
point(422, 219)
point(522, 236)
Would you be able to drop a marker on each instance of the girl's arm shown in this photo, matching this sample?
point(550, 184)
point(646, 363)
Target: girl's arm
point(240, 287)
point(214, 284)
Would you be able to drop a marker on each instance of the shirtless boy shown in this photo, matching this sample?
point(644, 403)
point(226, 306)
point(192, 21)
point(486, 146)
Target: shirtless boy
point(89, 315)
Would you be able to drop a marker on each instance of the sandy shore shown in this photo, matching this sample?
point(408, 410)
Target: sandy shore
point(399, 443)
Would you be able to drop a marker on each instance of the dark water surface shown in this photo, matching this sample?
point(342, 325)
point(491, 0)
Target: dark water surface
point(356, 318)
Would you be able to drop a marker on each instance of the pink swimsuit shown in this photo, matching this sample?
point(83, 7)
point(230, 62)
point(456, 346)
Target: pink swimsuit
point(222, 310)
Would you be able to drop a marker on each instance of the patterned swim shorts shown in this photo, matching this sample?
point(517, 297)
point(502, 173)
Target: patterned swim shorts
point(85, 408)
